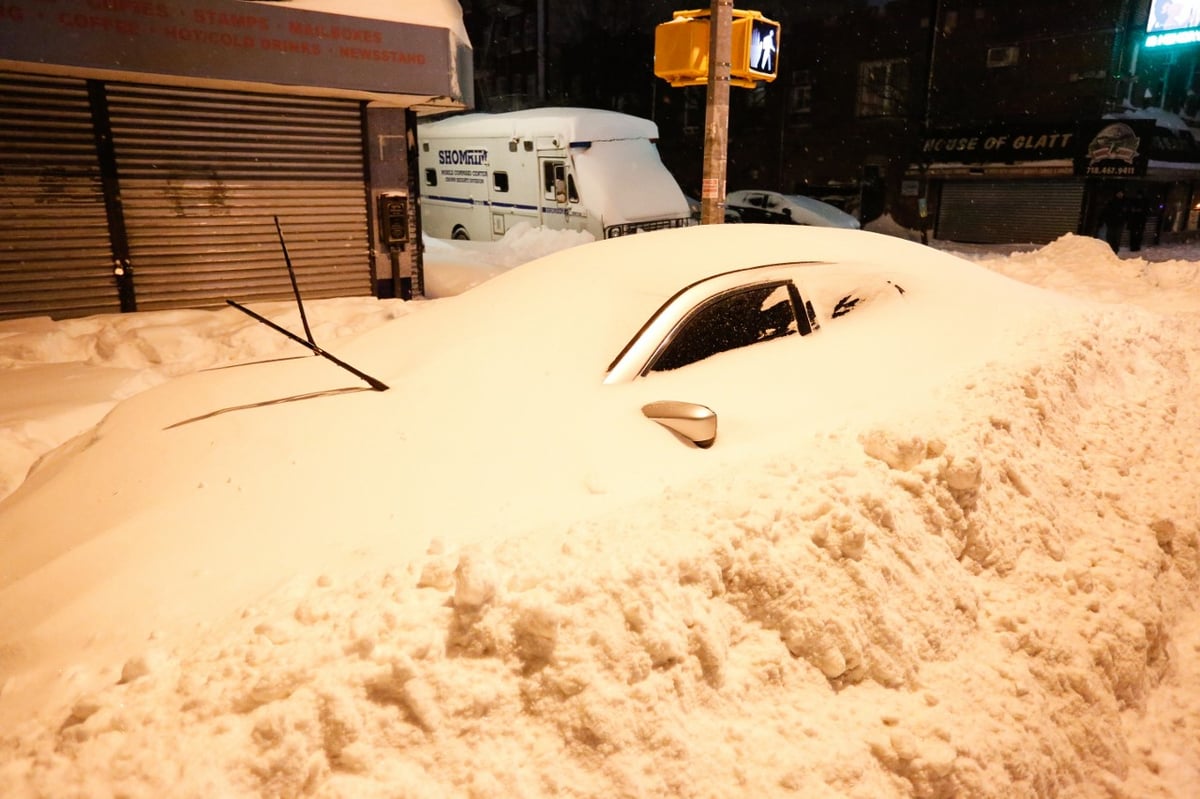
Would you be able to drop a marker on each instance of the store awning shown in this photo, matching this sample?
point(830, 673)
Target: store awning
point(244, 45)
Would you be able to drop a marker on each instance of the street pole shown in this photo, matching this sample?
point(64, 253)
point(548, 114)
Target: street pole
point(935, 28)
point(541, 52)
point(716, 114)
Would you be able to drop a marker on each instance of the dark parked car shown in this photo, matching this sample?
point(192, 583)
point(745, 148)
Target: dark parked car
point(773, 207)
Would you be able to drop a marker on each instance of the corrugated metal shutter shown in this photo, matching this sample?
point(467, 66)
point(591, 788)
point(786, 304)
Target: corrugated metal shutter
point(204, 173)
point(55, 255)
point(1009, 211)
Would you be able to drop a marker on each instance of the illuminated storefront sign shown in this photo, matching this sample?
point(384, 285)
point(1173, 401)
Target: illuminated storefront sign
point(232, 40)
point(1173, 22)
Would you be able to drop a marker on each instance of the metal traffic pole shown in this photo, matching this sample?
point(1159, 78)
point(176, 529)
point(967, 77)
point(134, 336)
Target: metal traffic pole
point(716, 114)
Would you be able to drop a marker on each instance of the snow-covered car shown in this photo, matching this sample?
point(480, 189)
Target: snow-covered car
point(772, 207)
point(520, 404)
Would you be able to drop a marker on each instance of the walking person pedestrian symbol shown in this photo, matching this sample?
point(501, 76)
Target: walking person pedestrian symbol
point(766, 53)
point(763, 47)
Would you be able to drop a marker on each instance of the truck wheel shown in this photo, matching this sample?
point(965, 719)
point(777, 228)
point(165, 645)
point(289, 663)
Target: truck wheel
point(460, 233)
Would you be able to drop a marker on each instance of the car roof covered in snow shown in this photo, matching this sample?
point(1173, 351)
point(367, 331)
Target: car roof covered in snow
point(605, 291)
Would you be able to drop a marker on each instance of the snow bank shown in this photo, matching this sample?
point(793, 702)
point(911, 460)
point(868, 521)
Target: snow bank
point(978, 601)
point(453, 267)
point(1165, 285)
point(992, 597)
point(105, 358)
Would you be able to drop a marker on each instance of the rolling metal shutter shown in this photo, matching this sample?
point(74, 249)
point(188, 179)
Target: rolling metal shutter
point(55, 255)
point(1009, 211)
point(204, 173)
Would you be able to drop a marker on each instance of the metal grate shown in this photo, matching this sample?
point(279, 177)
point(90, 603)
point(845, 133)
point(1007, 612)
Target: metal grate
point(1009, 211)
point(204, 173)
point(55, 254)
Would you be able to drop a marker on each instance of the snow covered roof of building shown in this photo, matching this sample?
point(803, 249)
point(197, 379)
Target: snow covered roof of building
point(434, 13)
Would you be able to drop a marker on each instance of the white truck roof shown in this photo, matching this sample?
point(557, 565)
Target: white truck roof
point(579, 125)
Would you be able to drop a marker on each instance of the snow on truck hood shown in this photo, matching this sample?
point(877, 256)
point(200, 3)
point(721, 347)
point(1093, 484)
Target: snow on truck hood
point(625, 181)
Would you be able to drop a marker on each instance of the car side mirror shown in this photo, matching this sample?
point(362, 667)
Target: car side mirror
point(695, 424)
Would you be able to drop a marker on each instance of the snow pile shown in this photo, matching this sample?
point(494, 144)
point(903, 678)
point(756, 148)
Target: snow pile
point(106, 358)
point(1170, 286)
point(991, 596)
point(975, 602)
point(888, 226)
point(452, 267)
point(180, 341)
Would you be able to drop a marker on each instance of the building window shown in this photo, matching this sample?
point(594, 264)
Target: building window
point(882, 88)
point(502, 36)
point(530, 32)
point(800, 93)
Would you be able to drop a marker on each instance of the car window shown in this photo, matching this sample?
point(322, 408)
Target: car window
point(735, 319)
point(835, 299)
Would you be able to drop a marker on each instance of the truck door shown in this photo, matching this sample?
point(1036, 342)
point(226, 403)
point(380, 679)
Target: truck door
point(559, 195)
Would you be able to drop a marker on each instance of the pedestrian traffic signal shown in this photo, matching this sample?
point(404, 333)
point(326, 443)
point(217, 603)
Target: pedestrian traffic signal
point(759, 37)
point(681, 48)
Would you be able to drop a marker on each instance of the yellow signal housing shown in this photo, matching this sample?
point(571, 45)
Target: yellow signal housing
point(681, 48)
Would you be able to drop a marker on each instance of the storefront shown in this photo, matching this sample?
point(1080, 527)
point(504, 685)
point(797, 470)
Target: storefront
point(1034, 183)
point(148, 148)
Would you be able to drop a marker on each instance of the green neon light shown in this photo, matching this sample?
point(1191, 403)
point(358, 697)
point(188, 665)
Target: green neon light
point(1190, 36)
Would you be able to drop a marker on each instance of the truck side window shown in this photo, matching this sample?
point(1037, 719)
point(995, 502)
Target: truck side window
point(430, 177)
point(500, 181)
point(572, 194)
point(554, 181)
